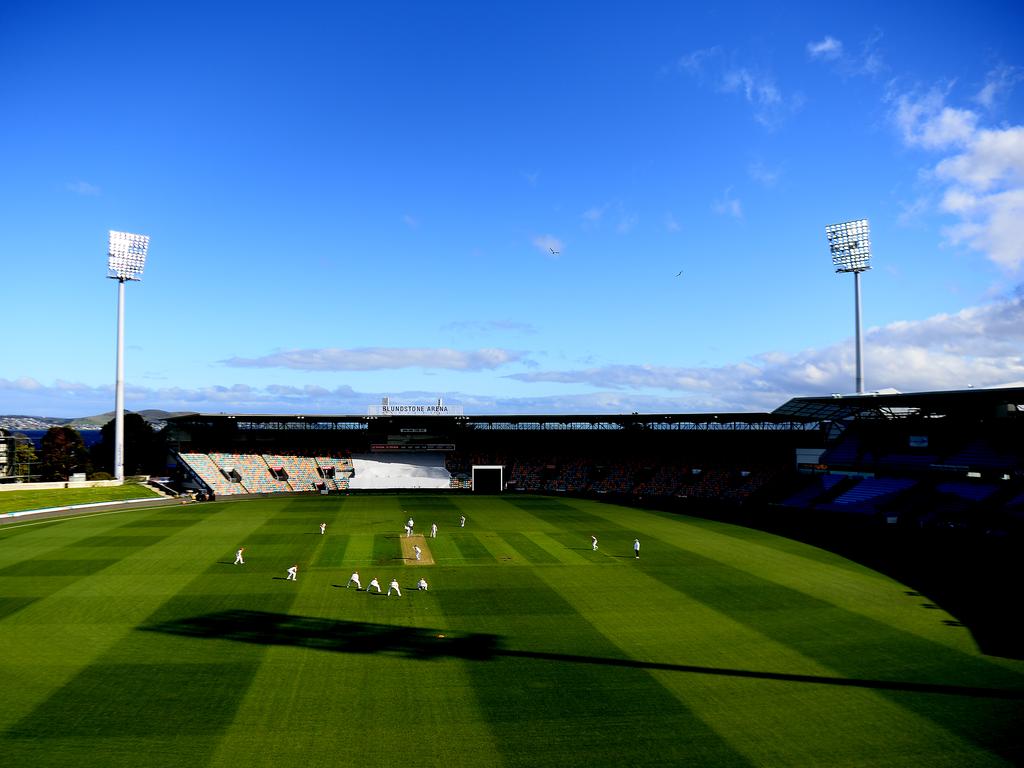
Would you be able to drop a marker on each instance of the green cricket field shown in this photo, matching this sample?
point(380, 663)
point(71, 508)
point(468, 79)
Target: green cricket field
point(131, 638)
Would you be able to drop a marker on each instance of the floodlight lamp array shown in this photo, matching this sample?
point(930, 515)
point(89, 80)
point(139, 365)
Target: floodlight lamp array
point(850, 244)
point(127, 255)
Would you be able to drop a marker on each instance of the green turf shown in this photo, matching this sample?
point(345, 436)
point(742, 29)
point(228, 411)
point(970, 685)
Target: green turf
point(16, 501)
point(131, 639)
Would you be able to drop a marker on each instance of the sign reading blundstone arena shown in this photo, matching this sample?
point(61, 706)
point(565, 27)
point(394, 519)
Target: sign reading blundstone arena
point(386, 408)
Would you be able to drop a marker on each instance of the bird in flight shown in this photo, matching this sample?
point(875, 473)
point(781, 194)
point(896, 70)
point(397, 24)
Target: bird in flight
point(679, 273)
point(553, 251)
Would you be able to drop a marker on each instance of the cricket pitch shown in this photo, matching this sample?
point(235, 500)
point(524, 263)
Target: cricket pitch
point(409, 554)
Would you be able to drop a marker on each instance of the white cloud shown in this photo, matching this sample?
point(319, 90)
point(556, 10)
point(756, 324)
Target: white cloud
point(695, 61)
point(728, 205)
point(380, 358)
point(21, 384)
point(764, 175)
point(868, 61)
point(595, 216)
point(83, 188)
point(911, 211)
point(984, 178)
point(987, 193)
point(410, 221)
point(997, 83)
point(828, 48)
point(549, 245)
point(671, 224)
point(992, 157)
point(626, 222)
point(992, 224)
point(758, 88)
point(926, 121)
point(979, 346)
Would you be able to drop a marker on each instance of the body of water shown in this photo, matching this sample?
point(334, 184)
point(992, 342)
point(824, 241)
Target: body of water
point(89, 436)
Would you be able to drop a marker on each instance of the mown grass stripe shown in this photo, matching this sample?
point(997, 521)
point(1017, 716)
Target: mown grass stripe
point(528, 549)
point(332, 551)
point(77, 567)
point(387, 549)
point(471, 549)
point(11, 605)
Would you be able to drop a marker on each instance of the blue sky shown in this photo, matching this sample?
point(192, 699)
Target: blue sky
point(350, 201)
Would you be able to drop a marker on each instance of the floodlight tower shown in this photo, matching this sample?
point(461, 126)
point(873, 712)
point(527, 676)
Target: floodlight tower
point(850, 244)
point(126, 258)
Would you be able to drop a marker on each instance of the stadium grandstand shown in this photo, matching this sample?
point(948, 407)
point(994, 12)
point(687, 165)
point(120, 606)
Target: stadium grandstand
point(951, 459)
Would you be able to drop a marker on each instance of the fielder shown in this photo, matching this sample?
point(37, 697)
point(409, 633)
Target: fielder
point(293, 573)
point(394, 586)
point(636, 548)
point(354, 578)
point(433, 530)
point(422, 584)
point(462, 522)
point(238, 556)
point(594, 544)
point(323, 528)
point(373, 583)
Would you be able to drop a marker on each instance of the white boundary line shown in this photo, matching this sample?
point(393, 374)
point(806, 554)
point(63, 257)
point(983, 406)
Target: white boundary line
point(6, 515)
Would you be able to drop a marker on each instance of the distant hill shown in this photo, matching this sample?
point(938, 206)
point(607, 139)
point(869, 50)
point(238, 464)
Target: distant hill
point(157, 418)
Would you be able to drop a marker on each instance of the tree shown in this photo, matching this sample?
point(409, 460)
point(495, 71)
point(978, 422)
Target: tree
point(145, 449)
point(63, 453)
point(25, 456)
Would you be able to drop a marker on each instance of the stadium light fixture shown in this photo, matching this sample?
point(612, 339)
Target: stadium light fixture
point(850, 244)
point(126, 258)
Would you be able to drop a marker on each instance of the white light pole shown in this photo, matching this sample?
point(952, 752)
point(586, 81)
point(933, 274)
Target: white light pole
point(126, 258)
point(850, 244)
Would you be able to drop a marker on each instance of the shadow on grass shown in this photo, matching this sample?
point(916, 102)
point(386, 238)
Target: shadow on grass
point(974, 591)
point(332, 635)
point(419, 643)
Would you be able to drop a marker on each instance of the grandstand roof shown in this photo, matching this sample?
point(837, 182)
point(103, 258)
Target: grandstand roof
point(680, 421)
point(971, 403)
point(800, 413)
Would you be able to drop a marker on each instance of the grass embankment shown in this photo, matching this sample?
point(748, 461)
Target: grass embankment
point(18, 501)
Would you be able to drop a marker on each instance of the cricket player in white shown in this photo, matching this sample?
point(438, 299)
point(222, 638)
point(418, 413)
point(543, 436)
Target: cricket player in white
point(323, 528)
point(409, 525)
point(433, 530)
point(373, 583)
point(238, 556)
point(594, 538)
point(293, 573)
point(462, 522)
point(636, 548)
point(418, 552)
point(354, 578)
point(422, 584)
point(394, 586)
